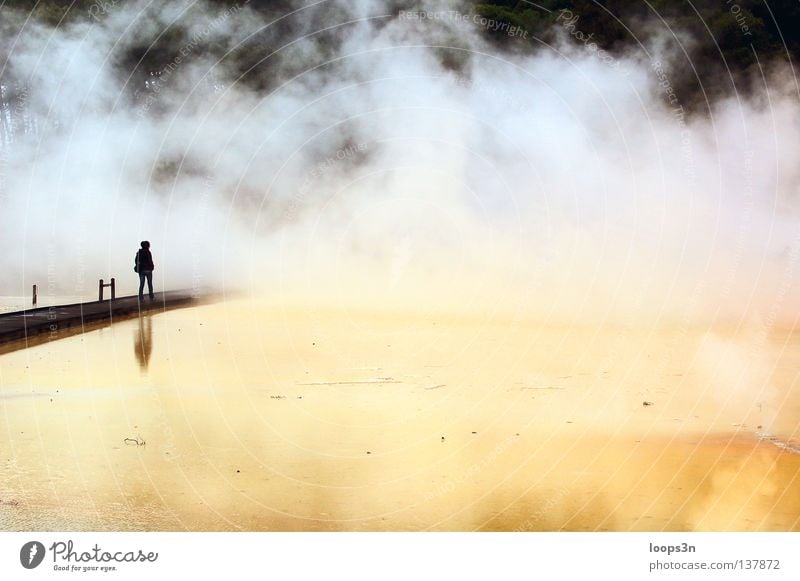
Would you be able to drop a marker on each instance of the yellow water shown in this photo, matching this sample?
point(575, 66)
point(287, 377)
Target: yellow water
point(246, 416)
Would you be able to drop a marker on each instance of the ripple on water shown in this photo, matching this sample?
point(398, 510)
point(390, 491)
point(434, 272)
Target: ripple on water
point(787, 445)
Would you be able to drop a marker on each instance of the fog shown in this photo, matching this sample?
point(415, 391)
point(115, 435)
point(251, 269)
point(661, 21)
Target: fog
point(411, 163)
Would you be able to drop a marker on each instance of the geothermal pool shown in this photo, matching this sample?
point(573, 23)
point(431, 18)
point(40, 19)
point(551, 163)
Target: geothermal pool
point(246, 415)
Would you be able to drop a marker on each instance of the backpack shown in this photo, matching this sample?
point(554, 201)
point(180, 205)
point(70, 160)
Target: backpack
point(136, 262)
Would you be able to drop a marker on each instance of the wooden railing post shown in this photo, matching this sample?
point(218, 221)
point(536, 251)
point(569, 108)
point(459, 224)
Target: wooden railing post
point(101, 285)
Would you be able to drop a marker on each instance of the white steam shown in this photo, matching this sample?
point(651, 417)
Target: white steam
point(558, 184)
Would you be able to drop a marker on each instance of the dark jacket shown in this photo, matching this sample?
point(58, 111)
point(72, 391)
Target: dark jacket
point(144, 261)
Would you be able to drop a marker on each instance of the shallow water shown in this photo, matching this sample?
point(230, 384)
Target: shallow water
point(246, 416)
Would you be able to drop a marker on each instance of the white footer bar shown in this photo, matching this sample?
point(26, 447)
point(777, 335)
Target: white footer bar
point(406, 556)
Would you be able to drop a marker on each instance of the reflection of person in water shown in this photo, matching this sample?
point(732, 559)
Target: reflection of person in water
point(143, 342)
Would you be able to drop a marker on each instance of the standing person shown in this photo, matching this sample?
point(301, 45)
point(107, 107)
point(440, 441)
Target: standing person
point(144, 266)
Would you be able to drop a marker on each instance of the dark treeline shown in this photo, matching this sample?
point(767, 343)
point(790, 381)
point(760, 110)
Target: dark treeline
point(717, 47)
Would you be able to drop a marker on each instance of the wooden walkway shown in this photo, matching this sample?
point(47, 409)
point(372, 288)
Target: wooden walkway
point(47, 323)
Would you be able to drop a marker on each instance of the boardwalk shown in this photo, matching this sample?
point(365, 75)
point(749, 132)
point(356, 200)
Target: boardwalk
point(35, 325)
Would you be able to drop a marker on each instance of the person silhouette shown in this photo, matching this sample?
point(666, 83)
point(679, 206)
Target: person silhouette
point(144, 266)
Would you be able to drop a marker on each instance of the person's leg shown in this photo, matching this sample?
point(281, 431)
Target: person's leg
point(141, 284)
point(150, 284)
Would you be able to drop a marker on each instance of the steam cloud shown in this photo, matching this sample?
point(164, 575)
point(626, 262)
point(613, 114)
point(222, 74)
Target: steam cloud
point(381, 158)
